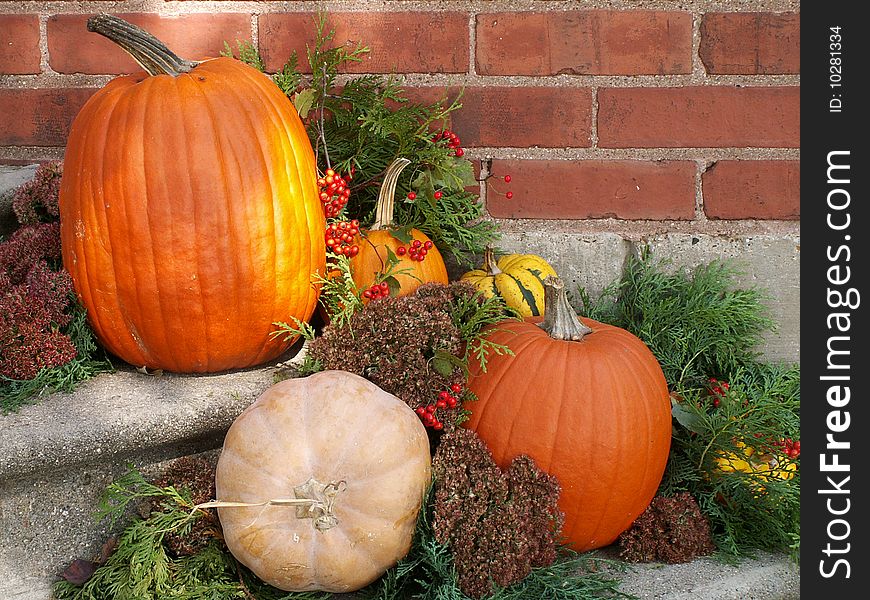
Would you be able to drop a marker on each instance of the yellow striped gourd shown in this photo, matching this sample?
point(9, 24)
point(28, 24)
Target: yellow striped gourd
point(517, 278)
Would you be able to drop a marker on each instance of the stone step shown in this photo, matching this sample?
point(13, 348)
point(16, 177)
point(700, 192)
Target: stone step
point(57, 456)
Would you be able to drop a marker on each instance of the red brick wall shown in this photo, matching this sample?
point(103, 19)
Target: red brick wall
point(677, 115)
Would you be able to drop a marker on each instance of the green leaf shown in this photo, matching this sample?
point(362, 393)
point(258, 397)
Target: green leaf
point(464, 172)
point(304, 101)
point(444, 362)
point(392, 259)
point(393, 284)
point(403, 234)
point(688, 419)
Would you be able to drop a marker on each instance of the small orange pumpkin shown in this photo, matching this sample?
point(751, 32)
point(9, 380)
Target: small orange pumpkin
point(589, 403)
point(372, 259)
point(190, 219)
point(331, 471)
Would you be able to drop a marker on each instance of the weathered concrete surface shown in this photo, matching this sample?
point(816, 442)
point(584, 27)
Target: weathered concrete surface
point(56, 458)
point(769, 262)
point(10, 178)
point(768, 576)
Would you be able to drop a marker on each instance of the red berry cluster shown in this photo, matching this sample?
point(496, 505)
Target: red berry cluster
point(334, 192)
point(789, 447)
point(378, 290)
point(718, 389)
point(340, 235)
point(446, 400)
point(452, 141)
point(416, 250)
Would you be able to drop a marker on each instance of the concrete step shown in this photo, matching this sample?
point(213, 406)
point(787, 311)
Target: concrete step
point(56, 458)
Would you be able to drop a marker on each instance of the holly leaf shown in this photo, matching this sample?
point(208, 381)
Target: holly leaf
point(304, 101)
point(392, 259)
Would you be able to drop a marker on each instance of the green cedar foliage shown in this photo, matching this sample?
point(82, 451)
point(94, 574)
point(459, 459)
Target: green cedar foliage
point(700, 326)
point(142, 568)
point(697, 323)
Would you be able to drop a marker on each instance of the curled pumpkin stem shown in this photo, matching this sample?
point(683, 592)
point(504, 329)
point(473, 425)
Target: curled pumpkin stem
point(560, 321)
point(151, 54)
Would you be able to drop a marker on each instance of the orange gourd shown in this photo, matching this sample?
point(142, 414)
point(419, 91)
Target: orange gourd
point(190, 220)
point(372, 259)
point(589, 403)
point(333, 471)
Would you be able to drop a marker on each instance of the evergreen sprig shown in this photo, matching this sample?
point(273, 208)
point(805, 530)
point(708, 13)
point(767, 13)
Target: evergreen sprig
point(700, 325)
point(142, 568)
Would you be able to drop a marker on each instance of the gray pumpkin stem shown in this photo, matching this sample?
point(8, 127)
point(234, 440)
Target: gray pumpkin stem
point(560, 321)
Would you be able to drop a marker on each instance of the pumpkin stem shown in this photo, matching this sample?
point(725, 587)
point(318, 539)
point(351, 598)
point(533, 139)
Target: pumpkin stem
point(490, 264)
point(314, 500)
point(560, 321)
point(151, 54)
point(322, 507)
point(386, 196)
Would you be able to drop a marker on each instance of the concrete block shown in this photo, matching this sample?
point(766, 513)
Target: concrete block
point(770, 263)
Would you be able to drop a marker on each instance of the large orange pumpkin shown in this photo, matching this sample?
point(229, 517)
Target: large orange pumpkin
point(372, 260)
point(190, 220)
point(589, 403)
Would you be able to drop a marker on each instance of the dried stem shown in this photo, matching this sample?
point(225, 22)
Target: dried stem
point(560, 321)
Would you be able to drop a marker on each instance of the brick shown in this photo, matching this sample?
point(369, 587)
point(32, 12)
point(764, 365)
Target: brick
point(594, 189)
point(524, 117)
point(403, 42)
point(42, 116)
point(595, 42)
point(751, 43)
point(73, 49)
point(19, 44)
point(699, 117)
point(752, 189)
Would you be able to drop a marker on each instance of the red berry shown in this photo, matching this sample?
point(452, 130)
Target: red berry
point(459, 152)
point(401, 250)
point(441, 404)
point(509, 195)
point(456, 388)
point(438, 195)
point(412, 196)
point(416, 244)
point(438, 426)
point(507, 178)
